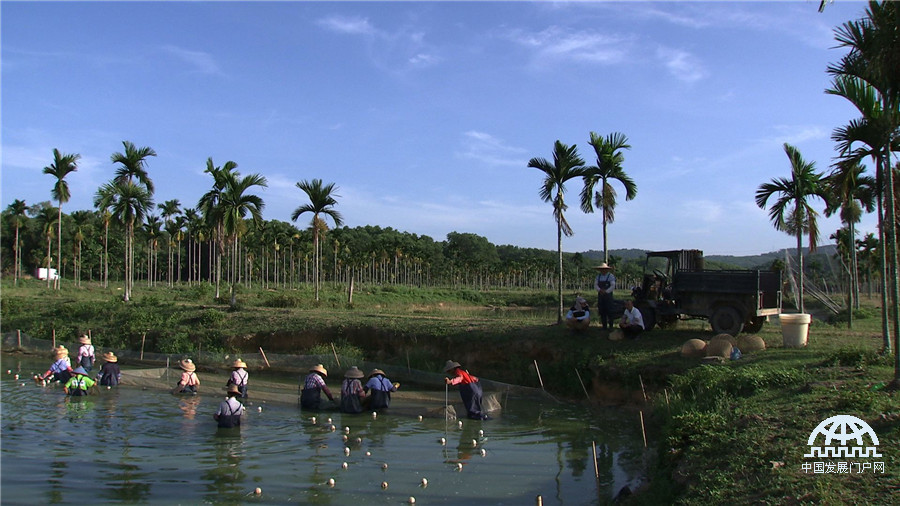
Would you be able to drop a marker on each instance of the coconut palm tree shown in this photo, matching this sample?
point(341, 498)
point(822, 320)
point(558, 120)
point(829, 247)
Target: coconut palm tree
point(234, 205)
point(852, 192)
point(566, 165)
point(17, 213)
point(322, 199)
point(608, 168)
point(129, 206)
point(46, 218)
point(792, 212)
point(62, 166)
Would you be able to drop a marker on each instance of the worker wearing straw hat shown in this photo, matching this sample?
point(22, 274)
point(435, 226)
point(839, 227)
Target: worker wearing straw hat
point(469, 389)
point(352, 393)
point(380, 388)
point(605, 283)
point(189, 380)
point(239, 377)
point(85, 357)
point(109, 372)
point(230, 410)
point(313, 386)
point(60, 369)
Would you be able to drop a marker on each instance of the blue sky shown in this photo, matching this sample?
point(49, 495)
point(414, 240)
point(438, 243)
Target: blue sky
point(425, 114)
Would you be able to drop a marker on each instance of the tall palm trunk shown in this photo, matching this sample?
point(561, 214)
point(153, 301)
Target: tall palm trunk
point(58, 245)
point(17, 268)
point(800, 263)
point(49, 260)
point(559, 233)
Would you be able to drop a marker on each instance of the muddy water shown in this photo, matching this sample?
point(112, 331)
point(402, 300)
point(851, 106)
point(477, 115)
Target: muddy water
point(133, 445)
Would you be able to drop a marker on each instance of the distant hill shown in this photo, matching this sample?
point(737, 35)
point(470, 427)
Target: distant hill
point(762, 261)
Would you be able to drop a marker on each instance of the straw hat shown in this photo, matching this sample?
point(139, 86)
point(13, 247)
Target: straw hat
point(232, 389)
point(60, 352)
point(319, 368)
point(353, 373)
point(450, 365)
point(239, 363)
point(603, 266)
point(80, 370)
point(110, 357)
point(187, 365)
point(376, 371)
point(84, 339)
point(580, 300)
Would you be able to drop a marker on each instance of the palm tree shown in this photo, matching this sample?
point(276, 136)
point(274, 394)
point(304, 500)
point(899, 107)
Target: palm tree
point(17, 213)
point(81, 219)
point(792, 212)
point(609, 167)
point(152, 229)
point(46, 218)
point(566, 165)
point(129, 206)
point(852, 193)
point(62, 166)
point(321, 202)
point(170, 209)
point(103, 201)
point(133, 165)
point(234, 205)
point(210, 205)
point(869, 76)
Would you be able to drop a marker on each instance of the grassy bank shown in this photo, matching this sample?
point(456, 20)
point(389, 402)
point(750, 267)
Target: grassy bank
point(731, 432)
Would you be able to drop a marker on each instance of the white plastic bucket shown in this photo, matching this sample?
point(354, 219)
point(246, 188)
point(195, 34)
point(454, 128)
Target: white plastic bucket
point(795, 329)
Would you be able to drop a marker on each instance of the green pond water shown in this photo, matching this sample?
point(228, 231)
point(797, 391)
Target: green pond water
point(145, 445)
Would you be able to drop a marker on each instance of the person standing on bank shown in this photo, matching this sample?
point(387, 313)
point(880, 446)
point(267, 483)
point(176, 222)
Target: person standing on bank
point(352, 392)
point(380, 388)
point(230, 410)
point(605, 283)
point(469, 389)
point(313, 386)
point(632, 323)
point(239, 377)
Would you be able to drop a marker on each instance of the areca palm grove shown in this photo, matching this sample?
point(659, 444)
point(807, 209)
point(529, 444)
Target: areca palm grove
point(62, 166)
point(321, 202)
point(566, 165)
point(17, 214)
point(609, 168)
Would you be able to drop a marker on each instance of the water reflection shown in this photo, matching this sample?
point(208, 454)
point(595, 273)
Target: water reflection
point(225, 477)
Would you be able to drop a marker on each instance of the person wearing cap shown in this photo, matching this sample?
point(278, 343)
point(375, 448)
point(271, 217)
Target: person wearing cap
point(79, 383)
point(230, 410)
point(605, 283)
point(60, 369)
point(313, 386)
point(85, 357)
point(189, 380)
point(469, 389)
point(352, 393)
point(380, 388)
point(239, 377)
point(109, 375)
point(579, 315)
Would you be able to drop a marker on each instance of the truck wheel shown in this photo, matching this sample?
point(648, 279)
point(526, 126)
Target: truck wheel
point(726, 320)
point(755, 325)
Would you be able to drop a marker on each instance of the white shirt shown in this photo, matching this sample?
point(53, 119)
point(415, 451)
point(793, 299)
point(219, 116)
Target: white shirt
point(633, 317)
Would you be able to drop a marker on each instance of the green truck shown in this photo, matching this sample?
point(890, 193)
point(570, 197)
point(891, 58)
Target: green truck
point(676, 286)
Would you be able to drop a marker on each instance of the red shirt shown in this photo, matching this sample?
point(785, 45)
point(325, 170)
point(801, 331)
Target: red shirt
point(462, 377)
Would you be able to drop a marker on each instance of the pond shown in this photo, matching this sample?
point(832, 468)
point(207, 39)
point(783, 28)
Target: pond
point(145, 445)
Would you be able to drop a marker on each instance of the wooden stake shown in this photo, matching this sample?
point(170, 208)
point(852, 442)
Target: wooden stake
point(89, 334)
point(333, 350)
point(667, 397)
point(264, 357)
point(143, 338)
point(539, 501)
point(582, 385)
point(408, 368)
point(643, 391)
point(19, 337)
point(643, 430)
point(538, 369)
point(596, 466)
point(54, 338)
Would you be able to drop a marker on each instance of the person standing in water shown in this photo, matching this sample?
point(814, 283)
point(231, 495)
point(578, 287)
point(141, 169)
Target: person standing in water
point(469, 389)
point(313, 386)
point(380, 389)
point(79, 383)
point(239, 377)
point(61, 368)
point(189, 380)
point(230, 410)
point(109, 375)
point(352, 393)
point(85, 357)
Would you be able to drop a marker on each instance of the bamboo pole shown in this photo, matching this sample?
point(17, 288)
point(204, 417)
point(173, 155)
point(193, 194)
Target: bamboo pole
point(333, 350)
point(19, 337)
point(596, 466)
point(582, 385)
point(143, 338)
point(643, 429)
point(54, 338)
point(538, 369)
point(264, 357)
point(643, 391)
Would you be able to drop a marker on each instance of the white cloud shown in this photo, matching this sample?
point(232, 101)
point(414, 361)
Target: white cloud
point(683, 65)
point(202, 62)
point(491, 151)
point(554, 43)
point(348, 25)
